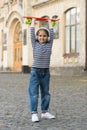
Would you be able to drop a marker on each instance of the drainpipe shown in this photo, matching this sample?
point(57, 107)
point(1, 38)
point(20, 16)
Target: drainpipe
point(85, 35)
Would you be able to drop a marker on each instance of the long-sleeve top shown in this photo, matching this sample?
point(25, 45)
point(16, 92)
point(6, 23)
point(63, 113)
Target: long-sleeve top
point(41, 51)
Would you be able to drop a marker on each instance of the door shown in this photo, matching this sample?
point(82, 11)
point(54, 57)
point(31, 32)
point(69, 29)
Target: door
point(18, 57)
point(17, 48)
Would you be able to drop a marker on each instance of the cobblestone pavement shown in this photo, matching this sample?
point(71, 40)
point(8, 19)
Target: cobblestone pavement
point(68, 103)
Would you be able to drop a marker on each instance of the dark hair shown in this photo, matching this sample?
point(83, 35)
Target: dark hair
point(43, 29)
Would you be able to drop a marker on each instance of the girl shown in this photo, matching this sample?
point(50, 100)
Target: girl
point(40, 75)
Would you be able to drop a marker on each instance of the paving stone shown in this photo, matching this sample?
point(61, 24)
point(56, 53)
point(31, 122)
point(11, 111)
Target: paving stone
point(68, 103)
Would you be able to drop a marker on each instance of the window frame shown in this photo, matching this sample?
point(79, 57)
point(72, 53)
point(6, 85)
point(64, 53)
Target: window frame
point(71, 53)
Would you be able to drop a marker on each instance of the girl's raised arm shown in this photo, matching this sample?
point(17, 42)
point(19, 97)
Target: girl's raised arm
point(51, 31)
point(32, 32)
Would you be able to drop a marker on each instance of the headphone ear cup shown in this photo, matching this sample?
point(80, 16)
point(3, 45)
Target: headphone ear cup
point(48, 38)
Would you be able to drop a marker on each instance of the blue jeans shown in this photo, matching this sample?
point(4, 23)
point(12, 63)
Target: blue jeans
point(39, 79)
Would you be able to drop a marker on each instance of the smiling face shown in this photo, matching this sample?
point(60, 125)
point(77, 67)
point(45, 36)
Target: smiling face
point(42, 36)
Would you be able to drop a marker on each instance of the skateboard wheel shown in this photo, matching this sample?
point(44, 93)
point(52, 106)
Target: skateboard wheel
point(54, 23)
point(28, 21)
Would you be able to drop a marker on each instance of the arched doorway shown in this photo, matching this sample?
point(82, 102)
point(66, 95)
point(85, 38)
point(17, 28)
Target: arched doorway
point(17, 64)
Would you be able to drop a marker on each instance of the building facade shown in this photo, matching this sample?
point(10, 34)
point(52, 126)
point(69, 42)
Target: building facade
point(69, 47)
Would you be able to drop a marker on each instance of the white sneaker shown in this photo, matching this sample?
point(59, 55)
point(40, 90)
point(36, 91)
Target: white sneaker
point(35, 118)
point(47, 115)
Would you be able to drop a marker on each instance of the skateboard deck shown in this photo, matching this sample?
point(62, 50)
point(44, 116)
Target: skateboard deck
point(41, 19)
point(28, 20)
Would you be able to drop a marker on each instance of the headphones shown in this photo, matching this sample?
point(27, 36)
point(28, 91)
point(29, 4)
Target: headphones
point(45, 29)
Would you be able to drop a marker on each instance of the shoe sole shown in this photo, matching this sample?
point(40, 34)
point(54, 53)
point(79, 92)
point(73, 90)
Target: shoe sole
point(47, 118)
point(35, 121)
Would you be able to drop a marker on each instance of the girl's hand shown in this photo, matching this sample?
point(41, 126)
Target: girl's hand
point(33, 22)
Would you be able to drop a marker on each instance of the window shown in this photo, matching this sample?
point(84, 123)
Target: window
point(5, 38)
point(44, 23)
point(56, 28)
point(25, 37)
point(72, 31)
point(4, 41)
point(21, 3)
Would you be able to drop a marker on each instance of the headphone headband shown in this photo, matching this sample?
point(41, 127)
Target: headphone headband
point(42, 28)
